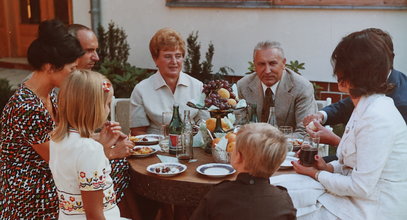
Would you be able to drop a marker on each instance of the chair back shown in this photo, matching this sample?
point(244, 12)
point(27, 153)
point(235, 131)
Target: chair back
point(120, 112)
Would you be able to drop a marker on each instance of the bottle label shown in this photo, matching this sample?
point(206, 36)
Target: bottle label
point(175, 141)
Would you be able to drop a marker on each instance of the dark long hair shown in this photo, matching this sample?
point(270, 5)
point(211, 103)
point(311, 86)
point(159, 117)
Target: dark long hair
point(54, 46)
point(364, 60)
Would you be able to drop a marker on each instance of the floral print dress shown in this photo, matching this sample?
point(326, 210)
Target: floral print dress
point(79, 164)
point(27, 187)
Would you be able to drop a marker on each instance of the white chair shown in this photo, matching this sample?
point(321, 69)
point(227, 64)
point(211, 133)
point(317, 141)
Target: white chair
point(322, 103)
point(120, 112)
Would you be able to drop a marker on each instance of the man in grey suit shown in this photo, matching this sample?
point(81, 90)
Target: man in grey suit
point(291, 94)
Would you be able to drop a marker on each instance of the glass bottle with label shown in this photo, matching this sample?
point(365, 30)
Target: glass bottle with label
point(175, 130)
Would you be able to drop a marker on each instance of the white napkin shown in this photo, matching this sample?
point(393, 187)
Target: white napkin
point(304, 195)
point(200, 102)
point(167, 159)
point(198, 140)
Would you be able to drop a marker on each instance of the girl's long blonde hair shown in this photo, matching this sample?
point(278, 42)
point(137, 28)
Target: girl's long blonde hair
point(81, 104)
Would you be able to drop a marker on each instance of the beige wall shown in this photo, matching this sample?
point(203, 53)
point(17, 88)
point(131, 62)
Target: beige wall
point(308, 35)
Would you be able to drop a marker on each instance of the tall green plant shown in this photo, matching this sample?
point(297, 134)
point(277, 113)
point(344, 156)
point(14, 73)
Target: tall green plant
point(113, 53)
point(193, 65)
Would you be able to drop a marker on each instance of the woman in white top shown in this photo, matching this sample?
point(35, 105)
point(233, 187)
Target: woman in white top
point(78, 163)
point(368, 181)
point(169, 85)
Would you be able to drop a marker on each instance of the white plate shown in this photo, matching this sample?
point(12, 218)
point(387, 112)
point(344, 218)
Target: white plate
point(143, 155)
point(152, 139)
point(176, 168)
point(287, 162)
point(215, 169)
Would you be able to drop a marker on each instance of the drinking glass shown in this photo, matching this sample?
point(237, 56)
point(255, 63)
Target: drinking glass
point(309, 148)
point(164, 140)
point(288, 132)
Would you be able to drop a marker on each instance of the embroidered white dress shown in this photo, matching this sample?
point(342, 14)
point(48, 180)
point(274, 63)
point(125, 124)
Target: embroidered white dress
point(79, 164)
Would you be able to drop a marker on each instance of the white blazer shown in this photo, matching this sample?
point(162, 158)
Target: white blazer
point(370, 176)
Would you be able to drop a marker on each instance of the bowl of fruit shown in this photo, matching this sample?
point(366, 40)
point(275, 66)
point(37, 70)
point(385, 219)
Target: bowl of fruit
point(219, 96)
point(223, 147)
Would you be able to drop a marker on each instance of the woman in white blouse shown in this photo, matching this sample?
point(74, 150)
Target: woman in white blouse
point(369, 180)
point(169, 85)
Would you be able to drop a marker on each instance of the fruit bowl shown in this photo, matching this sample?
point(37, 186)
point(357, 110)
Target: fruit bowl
point(220, 156)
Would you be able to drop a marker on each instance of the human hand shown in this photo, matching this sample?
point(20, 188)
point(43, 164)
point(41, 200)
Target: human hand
point(123, 148)
point(326, 136)
point(110, 133)
point(313, 117)
point(300, 169)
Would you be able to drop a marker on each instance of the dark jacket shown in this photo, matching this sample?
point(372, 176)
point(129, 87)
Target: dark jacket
point(247, 198)
point(341, 111)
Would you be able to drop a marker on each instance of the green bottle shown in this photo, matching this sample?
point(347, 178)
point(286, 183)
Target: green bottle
point(175, 130)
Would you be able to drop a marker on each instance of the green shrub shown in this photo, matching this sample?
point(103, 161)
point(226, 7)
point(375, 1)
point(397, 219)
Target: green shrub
point(113, 53)
point(202, 71)
point(123, 76)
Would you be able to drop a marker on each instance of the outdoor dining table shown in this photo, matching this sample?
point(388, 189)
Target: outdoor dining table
point(184, 190)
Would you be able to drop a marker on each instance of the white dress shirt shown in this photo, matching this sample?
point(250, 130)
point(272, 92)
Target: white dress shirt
point(152, 96)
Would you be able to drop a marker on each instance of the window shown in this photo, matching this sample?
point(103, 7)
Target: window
point(340, 4)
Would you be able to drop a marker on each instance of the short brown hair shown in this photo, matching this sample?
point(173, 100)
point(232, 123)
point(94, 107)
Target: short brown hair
point(263, 147)
point(166, 39)
point(363, 59)
point(81, 103)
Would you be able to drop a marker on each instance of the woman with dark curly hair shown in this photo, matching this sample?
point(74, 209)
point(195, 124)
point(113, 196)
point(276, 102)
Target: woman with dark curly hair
point(27, 188)
point(368, 181)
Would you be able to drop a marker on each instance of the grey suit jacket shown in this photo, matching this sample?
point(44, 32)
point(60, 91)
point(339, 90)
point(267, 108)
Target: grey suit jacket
point(294, 99)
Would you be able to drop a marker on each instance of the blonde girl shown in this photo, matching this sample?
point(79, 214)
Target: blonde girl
point(78, 163)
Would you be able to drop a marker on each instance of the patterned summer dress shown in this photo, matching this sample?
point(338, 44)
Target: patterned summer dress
point(27, 187)
point(121, 177)
point(79, 164)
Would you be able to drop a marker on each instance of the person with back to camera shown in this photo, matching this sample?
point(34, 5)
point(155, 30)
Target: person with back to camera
point(27, 188)
point(341, 111)
point(260, 149)
point(80, 169)
point(368, 181)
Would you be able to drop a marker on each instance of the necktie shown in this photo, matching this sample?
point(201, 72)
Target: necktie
point(267, 103)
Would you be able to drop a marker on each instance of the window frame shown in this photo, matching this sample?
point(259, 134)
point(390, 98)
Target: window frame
point(294, 4)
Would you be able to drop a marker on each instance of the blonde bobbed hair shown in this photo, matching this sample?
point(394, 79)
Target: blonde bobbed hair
point(263, 148)
point(81, 104)
point(166, 39)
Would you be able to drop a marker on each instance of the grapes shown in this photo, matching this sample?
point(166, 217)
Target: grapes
point(211, 89)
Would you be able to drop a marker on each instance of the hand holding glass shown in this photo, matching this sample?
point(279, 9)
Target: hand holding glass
point(309, 148)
